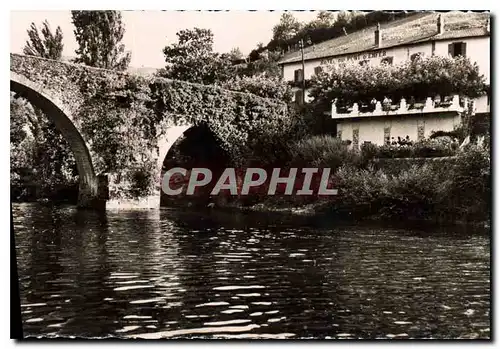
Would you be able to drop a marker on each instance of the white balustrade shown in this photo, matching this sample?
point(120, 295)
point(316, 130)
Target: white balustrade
point(404, 108)
point(355, 108)
point(402, 105)
point(428, 104)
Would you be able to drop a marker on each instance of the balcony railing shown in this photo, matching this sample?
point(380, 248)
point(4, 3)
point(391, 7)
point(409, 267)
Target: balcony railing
point(379, 108)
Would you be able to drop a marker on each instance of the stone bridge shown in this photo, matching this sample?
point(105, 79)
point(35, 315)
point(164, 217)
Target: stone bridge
point(66, 93)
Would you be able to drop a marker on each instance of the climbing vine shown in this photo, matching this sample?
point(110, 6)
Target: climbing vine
point(121, 116)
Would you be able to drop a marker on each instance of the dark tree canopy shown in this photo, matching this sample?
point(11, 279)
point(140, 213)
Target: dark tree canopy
point(193, 59)
point(99, 35)
point(48, 46)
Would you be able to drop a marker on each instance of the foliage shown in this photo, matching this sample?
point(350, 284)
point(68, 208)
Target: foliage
point(114, 108)
point(271, 144)
point(260, 86)
point(427, 191)
point(286, 29)
point(419, 78)
point(50, 46)
point(237, 119)
point(423, 149)
point(99, 35)
point(264, 64)
point(121, 116)
point(327, 26)
point(468, 185)
point(322, 151)
point(192, 58)
point(41, 160)
point(235, 54)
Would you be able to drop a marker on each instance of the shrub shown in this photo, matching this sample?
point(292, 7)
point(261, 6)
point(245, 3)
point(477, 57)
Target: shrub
point(428, 191)
point(432, 148)
point(261, 86)
point(322, 151)
point(422, 149)
point(468, 187)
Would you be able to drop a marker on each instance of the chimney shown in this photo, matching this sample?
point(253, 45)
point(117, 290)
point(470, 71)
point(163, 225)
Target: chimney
point(378, 36)
point(440, 24)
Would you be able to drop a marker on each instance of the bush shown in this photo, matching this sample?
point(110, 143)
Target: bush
point(433, 148)
point(430, 191)
point(468, 186)
point(322, 151)
point(261, 86)
point(422, 149)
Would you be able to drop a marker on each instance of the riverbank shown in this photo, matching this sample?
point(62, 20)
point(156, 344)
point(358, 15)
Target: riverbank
point(322, 211)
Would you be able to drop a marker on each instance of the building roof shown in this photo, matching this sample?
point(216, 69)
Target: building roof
point(418, 28)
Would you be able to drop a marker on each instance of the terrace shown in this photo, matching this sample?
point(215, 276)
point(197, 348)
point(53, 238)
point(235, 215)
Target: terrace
point(447, 104)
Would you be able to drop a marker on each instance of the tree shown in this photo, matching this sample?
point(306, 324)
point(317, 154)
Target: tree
point(343, 18)
point(99, 35)
point(40, 156)
point(50, 46)
point(324, 19)
point(192, 58)
point(287, 28)
point(235, 54)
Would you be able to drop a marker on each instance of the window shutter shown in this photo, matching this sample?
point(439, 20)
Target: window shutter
point(318, 70)
point(450, 50)
point(463, 48)
point(296, 76)
point(299, 75)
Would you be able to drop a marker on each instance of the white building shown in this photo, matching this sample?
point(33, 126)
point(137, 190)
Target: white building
point(446, 34)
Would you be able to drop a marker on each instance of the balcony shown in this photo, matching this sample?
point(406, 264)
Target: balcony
point(378, 108)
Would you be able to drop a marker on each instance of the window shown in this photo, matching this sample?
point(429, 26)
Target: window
point(364, 62)
point(457, 49)
point(387, 60)
point(299, 97)
point(299, 76)
point(318, 70)
point(417, 55)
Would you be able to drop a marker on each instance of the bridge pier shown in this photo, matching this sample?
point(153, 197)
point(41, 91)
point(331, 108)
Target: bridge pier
point(93, 192)
point(165, 141)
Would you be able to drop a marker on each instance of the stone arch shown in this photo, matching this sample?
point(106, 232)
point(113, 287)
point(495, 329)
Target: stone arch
point(167, 140)
point(62, 118)
point(201, 141)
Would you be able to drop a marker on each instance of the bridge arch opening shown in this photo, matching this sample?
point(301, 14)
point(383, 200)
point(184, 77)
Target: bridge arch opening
point(57, 113)
point(195, 146)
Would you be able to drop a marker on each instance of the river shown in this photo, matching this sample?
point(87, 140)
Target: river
point(179, 274)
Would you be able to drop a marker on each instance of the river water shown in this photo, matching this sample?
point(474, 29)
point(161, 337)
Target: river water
point(178, 274)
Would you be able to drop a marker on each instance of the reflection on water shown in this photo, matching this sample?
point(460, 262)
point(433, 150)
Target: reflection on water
point(170, 274)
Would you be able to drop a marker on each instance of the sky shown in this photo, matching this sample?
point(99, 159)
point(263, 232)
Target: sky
point(148, 32)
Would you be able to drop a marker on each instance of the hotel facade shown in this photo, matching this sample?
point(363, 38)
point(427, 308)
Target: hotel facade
point(448, 34)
